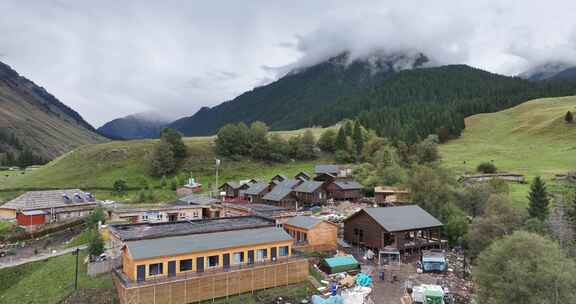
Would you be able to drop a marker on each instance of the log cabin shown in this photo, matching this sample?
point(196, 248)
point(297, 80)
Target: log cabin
point(310, 192)
point(256, 192)
point(312, 234)
point(409, 229)
point(344, 189)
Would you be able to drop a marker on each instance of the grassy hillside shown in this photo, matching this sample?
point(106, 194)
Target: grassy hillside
point(98, 166)
point(531, 139)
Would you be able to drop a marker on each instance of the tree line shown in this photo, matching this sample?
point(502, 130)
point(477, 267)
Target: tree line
point(14, 153)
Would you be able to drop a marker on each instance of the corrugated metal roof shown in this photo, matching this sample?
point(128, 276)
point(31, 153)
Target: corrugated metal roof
point(308, 186)
point(170, 246)
point(402, 218)
point(256, 188)
point(278, 193)
point(348, 184)
point(326, 169)
point(289, 183)
point(197, 199)
point(305, 222)
point(49, 199)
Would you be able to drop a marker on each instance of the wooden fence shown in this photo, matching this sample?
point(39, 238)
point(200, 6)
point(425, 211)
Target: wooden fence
point(213, 285)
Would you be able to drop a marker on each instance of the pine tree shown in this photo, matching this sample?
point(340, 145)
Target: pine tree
point(358, 138)
point(174, 138)
point(162, 162)
point(348, 128)
point(569, 118)
point(340, 143)
point(538, 200)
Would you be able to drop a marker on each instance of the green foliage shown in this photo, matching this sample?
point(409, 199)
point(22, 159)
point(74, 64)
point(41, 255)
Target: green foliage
point(538, 200)
point(456, 226)
point(163, 182)
point(569, 117)
point(486, 167)
point(358, 138)
point(525, 268)
point(342, 156)
point(499, 219)
point(174, 184)
point(95, 244)
point(119, 187)
point(340, 143)
point(327, 141)
point(432, 189)
point(97, 215)
point(474, 198)
point(174, 138)
point(162, 161)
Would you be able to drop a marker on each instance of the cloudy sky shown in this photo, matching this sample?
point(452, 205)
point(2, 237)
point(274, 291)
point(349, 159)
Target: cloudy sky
point(108, 59)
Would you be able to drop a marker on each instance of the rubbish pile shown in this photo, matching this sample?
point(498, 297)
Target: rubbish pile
point(345, 289)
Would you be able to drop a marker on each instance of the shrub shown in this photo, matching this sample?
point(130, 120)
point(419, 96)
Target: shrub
point(487, 168)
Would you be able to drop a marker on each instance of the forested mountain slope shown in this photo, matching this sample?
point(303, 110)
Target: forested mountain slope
point(35, 123)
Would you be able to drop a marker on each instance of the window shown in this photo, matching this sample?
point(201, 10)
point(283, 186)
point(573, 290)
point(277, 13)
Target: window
point(195, 213)
point(155, 269)
point(186, 265)
point(213, 261)
point(238, 258)
point(261, 254)
point(304, 236)
point(283, 251)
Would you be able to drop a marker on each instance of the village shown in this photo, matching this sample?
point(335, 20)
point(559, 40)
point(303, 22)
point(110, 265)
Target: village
point(319, 230)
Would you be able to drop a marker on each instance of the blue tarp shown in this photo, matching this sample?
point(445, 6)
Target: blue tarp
point(363, 280)
point(331, 300)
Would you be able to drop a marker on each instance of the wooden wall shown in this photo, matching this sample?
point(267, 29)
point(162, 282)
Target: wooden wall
point(215, 285)
point(373, 233)
point(129, 265)
point(322, 237)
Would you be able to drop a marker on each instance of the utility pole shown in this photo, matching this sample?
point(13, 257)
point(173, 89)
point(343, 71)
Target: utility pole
point(76, 272)
point(216, 184)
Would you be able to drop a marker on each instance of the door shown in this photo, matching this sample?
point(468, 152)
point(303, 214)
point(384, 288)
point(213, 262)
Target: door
point(226, 260)
point(250, 257)
point(200, 264)
point(140, 273)
point(171, 268)
point(273, 253)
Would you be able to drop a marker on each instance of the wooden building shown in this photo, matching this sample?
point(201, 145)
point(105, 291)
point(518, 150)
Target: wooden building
point(408, 229)
point(310, 192)
point(282, 194)
point(278, 214)
point(232, 189)
point(256, 192)
point(55, 205)
point(278, 178)
point(303, 176)
point(344, 189)
point(186, 259)
point(312, 234)
point(391, 195)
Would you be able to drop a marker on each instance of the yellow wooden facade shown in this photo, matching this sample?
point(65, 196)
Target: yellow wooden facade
point(322, 236)
point(129, 265)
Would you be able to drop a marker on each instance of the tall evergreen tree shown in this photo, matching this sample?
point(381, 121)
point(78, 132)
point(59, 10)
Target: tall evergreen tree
point(340, 143)
point(174, 138)
point(538, 200)
point(358, 138)
point(162, 161)
point(348, 128)
point(569, 118)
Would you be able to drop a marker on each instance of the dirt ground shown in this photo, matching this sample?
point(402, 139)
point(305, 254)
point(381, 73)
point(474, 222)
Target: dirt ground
point(30, 248)
point(93, 296)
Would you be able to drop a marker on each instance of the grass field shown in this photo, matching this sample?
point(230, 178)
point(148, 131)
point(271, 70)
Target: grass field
point(46, 282)
point(98, 166)
point(530, 139)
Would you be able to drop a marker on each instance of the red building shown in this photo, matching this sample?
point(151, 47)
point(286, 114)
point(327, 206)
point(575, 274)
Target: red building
point(31, 218)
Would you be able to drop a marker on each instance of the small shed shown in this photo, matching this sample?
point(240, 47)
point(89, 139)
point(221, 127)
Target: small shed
point(312, 233)
point(31, 217)
point(346, 263)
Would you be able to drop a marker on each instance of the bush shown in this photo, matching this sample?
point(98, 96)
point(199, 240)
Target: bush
point(96, 244)
point(486, 168)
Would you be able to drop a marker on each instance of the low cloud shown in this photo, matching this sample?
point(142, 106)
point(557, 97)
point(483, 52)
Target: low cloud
point(112, 58)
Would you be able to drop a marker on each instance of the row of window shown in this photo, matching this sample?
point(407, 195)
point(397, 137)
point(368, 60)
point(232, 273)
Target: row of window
point(237, 258)
point(297, 235)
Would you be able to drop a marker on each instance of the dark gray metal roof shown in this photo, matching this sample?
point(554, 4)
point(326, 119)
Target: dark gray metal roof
point(305, 174)
point(33, 200)
point(232, 184)
point(289, 183)
point(348, 184)
point(197, 199)
point(256, 188)
point(308, 186)
point(170, 246)
point(278, 193)
point(305, 222)
point(402, 218)
point(326, 169)
point(126, 232)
